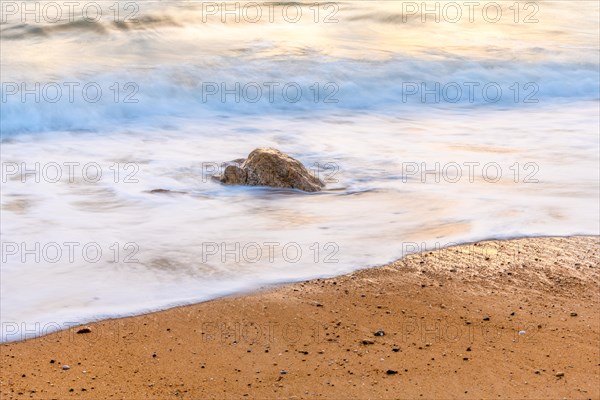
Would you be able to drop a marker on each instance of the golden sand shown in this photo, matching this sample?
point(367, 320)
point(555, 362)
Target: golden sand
point(497, 319)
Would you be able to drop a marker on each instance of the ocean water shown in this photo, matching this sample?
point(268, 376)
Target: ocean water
point(427, 134)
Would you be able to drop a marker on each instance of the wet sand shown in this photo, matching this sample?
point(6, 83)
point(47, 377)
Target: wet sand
point(496, 319)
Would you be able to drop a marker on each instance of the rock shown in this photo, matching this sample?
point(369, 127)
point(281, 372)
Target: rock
point(270, 167)
point(486, 317)
point(560, 374)
point(234, 175)
point(367, 341)
point(391, 372)
point(283, 372)
point(66, 367)
point(573, 314)
point(379, 333)
point(84, 330)
point(165, 191)
point(395, 349)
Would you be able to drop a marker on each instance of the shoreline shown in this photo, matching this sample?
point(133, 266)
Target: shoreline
point(448, 304)
point(263, 288)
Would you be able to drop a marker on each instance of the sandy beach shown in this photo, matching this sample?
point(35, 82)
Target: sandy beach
point(495, 319)
point(299, 200)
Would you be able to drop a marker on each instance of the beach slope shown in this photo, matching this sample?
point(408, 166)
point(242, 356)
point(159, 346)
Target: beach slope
point(495, 319)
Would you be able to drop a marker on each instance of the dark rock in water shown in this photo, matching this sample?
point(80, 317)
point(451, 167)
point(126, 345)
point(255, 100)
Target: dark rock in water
point(270, 167)
point(165, 191)
point(234, 175)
